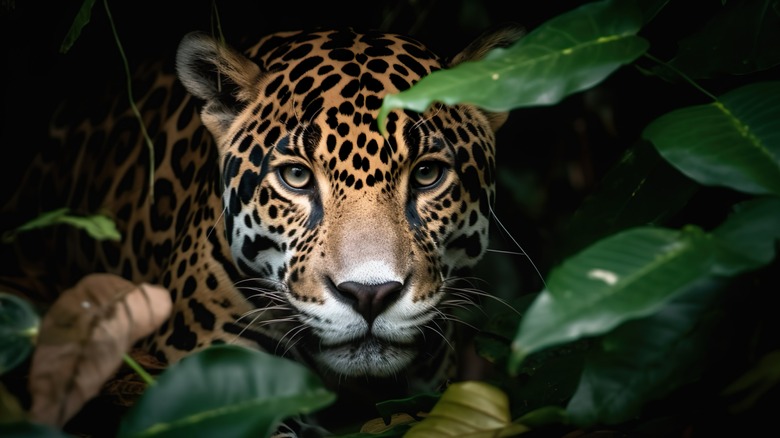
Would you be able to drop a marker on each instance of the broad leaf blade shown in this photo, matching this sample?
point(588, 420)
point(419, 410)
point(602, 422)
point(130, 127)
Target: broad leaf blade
point(225, 391)
point(18, 329)
point(468, 408)
point(567, 54)
point(625, 276)
point(733, 142)
point(645, 359)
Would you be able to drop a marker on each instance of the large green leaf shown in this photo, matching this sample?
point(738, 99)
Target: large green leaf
point(732, 142)
point(18, 329)
point(225, 391)
point(625, 276)
point(646, 358)
point(634, 273)
point(567, 54)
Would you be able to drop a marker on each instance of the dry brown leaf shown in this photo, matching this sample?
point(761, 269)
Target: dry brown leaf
point(83, 338)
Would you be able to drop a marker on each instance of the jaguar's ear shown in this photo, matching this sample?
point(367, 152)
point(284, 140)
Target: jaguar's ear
point(502, 36)
point(225, 79)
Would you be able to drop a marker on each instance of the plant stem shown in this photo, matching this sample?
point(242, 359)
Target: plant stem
point(139, 369)
point(137, 113)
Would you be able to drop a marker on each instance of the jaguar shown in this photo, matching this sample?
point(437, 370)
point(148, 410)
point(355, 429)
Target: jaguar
point(278, 216)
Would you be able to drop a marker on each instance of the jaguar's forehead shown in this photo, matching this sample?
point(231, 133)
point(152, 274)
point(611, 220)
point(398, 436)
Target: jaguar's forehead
point(338, 77)
point(323, 52)
point(320, 96)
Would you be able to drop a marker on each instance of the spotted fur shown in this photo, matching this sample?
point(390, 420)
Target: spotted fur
point(280, 217)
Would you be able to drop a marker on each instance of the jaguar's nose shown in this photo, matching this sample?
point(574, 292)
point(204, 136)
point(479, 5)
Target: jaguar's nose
point(369, 299)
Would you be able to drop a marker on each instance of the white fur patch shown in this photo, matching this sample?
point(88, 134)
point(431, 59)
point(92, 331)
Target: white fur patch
point(370, 272)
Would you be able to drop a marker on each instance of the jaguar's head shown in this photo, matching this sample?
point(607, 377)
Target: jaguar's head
point(360, 233)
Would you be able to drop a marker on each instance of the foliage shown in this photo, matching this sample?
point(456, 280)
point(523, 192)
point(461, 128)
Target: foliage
point(647, 298)
point(231, 390)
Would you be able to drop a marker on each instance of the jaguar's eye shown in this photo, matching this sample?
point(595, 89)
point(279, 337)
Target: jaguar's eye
point(427, 174)
point(296, 176)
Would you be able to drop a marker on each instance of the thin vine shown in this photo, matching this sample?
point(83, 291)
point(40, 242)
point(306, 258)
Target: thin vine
point(149, 143)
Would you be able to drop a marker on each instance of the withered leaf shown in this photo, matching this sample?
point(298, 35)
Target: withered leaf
point(83, 338)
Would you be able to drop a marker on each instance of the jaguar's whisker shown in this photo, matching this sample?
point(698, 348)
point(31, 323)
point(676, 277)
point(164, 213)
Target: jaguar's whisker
point(441, 334)
point(503, 228)
point(295, 331)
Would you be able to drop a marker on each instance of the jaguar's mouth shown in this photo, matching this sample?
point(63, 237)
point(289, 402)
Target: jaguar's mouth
point(365, 340)
point(370, 356)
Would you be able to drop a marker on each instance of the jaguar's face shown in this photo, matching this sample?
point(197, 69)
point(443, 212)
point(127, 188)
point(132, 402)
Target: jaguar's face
point(359, 233)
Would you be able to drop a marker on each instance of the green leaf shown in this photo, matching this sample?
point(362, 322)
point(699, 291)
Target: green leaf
point(98, 226)
point(225, 391)
point(81, 20)
point(570, 53)
point(633, 273)
point(748, 238)
point(625, 276)
point(645, 359)
point(740, 39)
point(733, 142)
point(468, 408)
point(18, 330)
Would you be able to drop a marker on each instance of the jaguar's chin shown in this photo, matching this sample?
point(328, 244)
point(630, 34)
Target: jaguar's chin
point(367, 357)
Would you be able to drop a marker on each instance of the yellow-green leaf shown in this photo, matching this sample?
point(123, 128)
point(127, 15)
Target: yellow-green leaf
point(469, 409)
